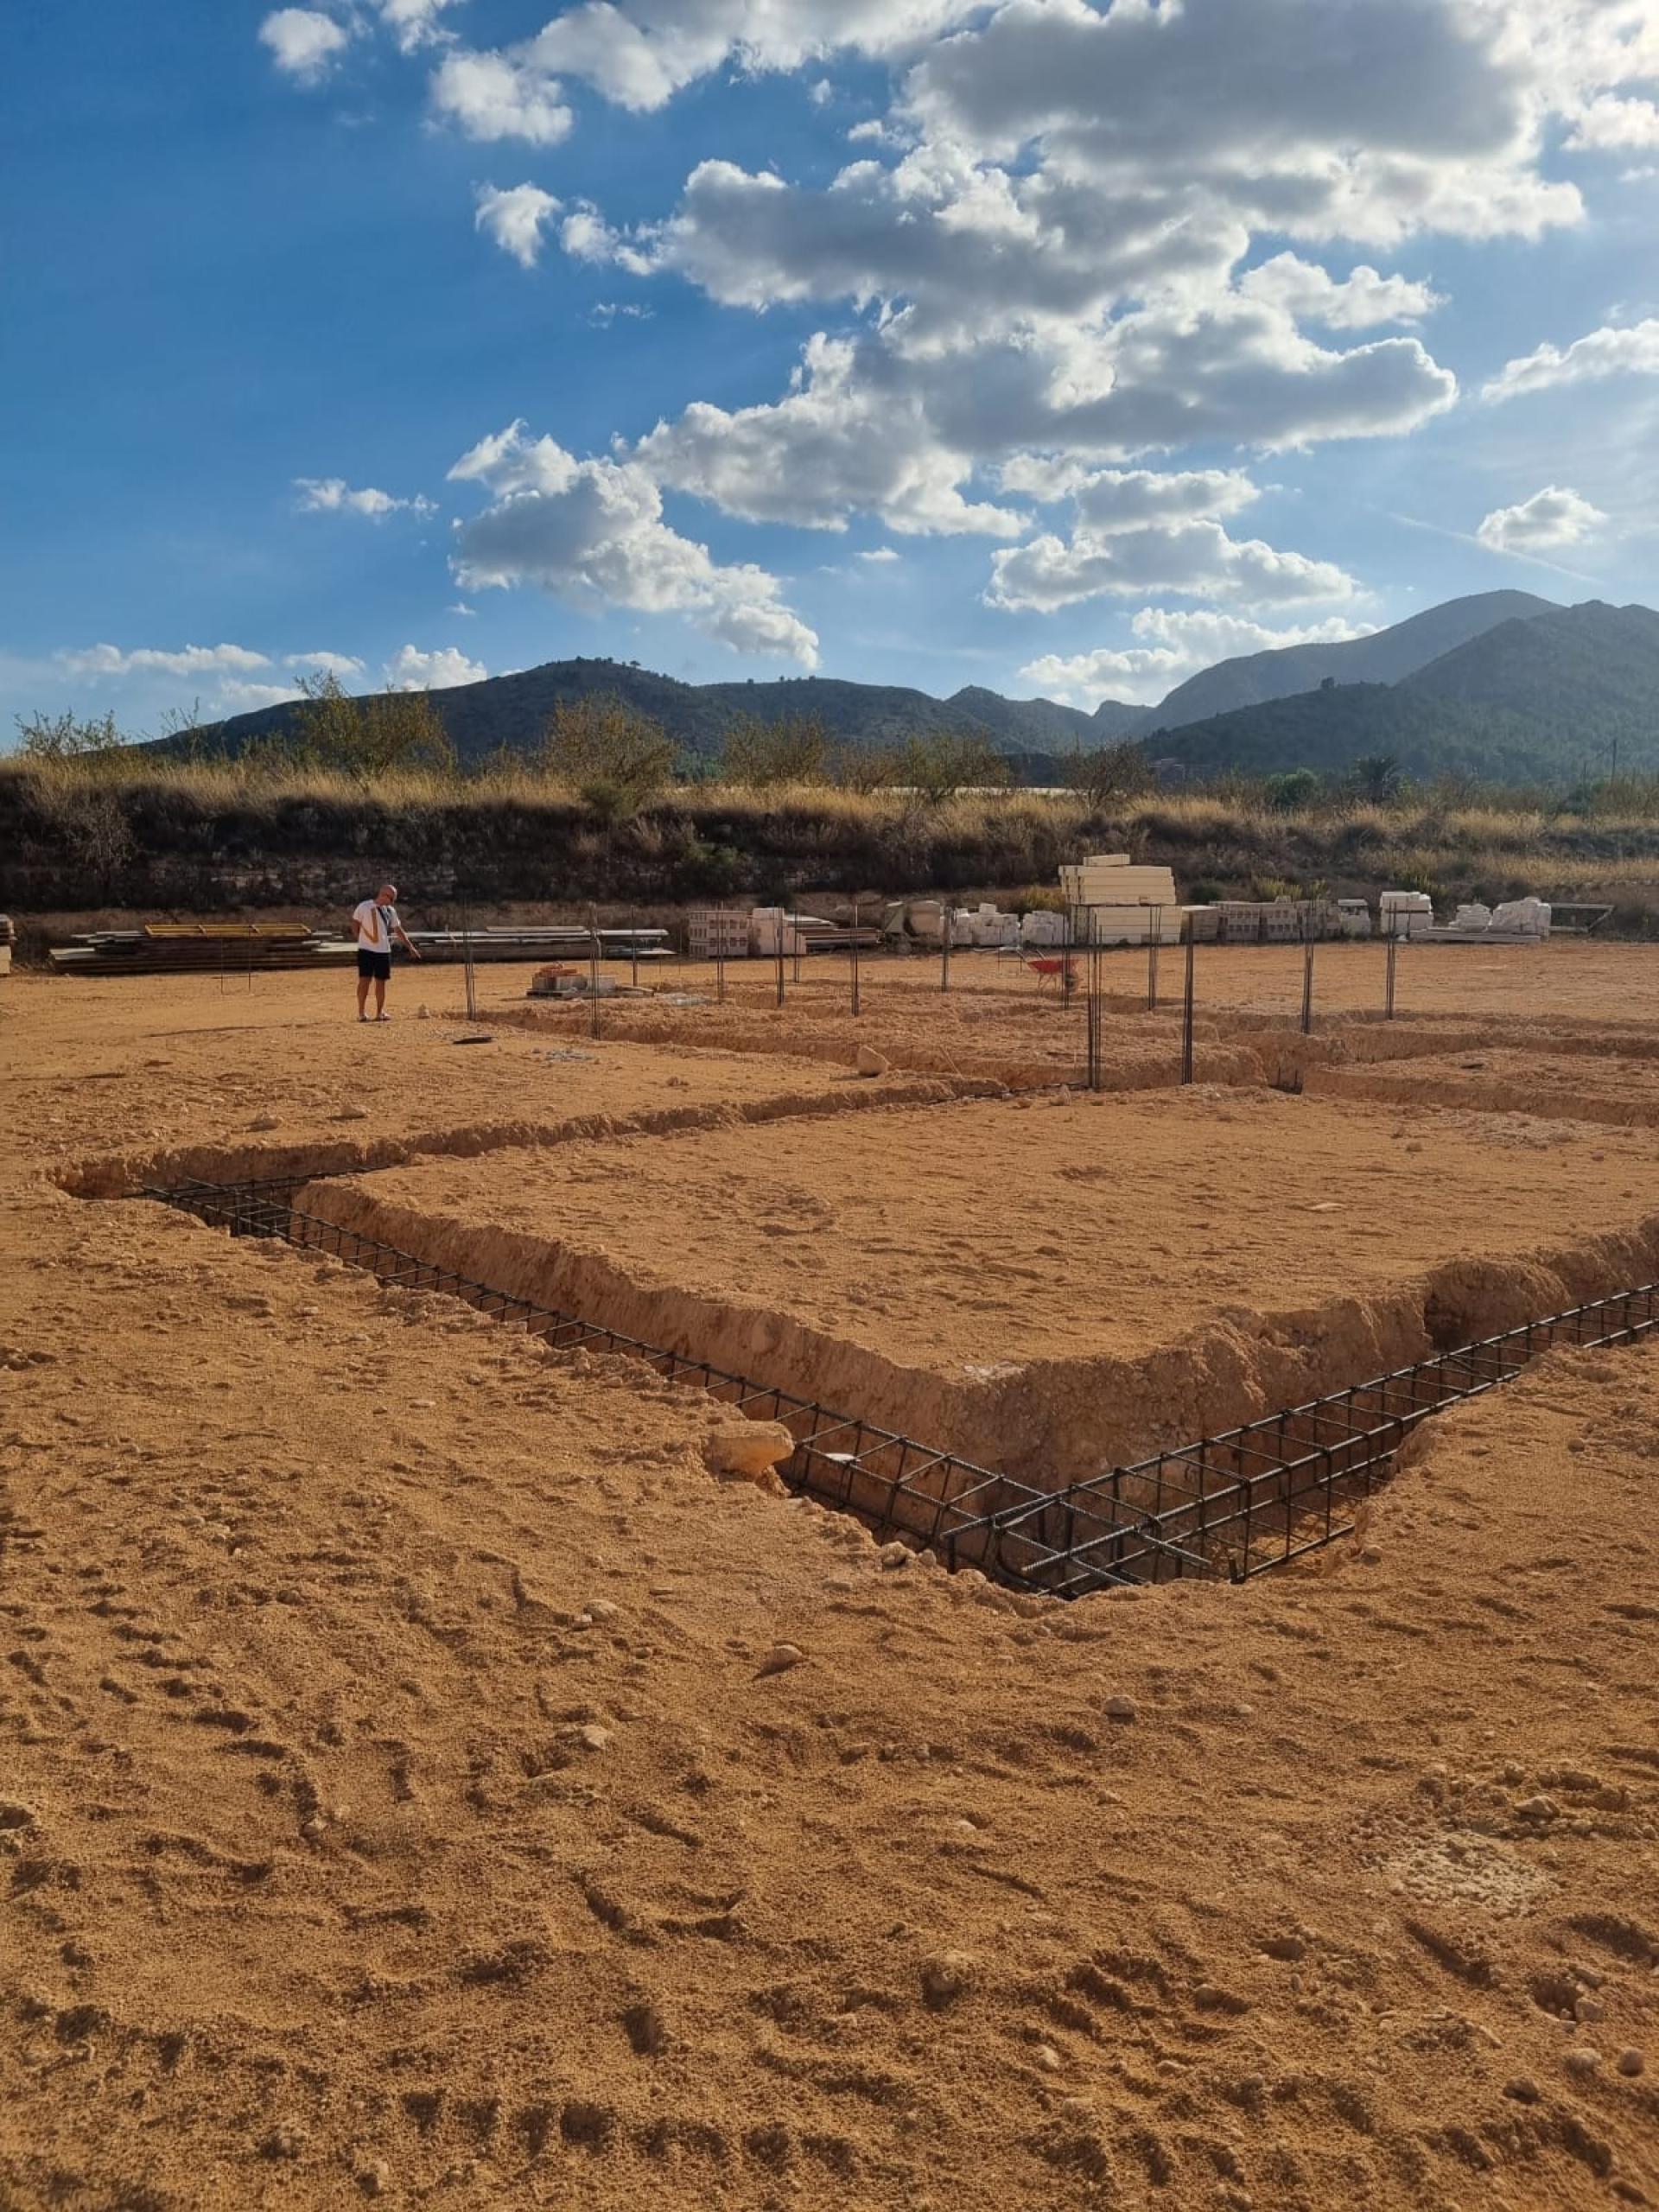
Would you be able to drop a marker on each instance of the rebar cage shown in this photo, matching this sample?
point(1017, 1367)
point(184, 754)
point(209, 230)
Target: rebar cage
point(1232, 1505)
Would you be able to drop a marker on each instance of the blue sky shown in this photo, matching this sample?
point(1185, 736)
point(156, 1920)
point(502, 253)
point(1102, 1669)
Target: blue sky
point(1050, 345)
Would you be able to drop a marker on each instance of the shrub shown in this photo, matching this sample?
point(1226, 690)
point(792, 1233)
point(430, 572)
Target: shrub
point(793, 749)
point(944, 763)
point(1108, 773)
point(616, 759)
point(1290, 793)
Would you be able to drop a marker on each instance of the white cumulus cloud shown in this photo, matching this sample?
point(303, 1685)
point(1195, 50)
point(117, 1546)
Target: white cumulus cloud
point(1173, 646)
point(414, 670)
point(514, 217)
point(639, 53)
point(593, 531)
point(491, 96)
point(187, 660)
point(414, 23)
point(1356, 302)
point(1611, 124)
point(1617, 349)
point(841, 442)
point(333, 495)
point(322, 663)
point(304, 42)
point(1551, 518)
point(237, 697)
point(1138, 530)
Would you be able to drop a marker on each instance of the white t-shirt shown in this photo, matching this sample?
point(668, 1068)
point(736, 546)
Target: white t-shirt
point(379, 923)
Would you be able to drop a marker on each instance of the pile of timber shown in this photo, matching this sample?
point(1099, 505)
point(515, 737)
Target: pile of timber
point(207, 948)
point(552, 941)
point(198, 948)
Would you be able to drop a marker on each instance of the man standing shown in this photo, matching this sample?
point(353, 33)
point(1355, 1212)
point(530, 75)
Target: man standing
point(374, 924)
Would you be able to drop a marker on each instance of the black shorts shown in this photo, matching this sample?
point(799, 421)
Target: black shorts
point(377, 964)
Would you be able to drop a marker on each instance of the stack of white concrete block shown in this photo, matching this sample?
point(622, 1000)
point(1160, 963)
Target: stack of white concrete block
point(1523, 917)
point(986, 926)
point(1041, 928)
point(717, 932)
point(1406, 913)
point(1124, 898)
point(766, 926)
point(1113, 880)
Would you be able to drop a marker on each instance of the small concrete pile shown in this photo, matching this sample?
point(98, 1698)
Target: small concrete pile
point(1405, 913)
point(1512, 921)
point(986, 927)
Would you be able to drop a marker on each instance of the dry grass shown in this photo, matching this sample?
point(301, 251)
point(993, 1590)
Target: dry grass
point(83, 825)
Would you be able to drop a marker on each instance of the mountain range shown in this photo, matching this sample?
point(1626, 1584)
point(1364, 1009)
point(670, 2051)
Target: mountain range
point(1501, 685)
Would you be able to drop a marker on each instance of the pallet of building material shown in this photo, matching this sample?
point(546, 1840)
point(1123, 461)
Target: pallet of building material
point(717, 932)
point(1118, 886)
point(168, 949)
point(1117, 883)
point(539, 942)
point(185, 932)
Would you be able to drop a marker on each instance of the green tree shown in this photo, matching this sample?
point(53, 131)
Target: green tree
point(1103, 774)
point(1378, 777)
point(863, 768)
point(365, 738)
point(1289, 792)
point(946, 762)
point(792, 749)
point(616, 759)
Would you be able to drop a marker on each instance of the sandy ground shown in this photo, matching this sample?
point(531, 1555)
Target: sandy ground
point(119, 1083)
point(1578, 978)
point(987, 1231)
point(397, 1799)
point(1051, 1285)
point(1609, 1085)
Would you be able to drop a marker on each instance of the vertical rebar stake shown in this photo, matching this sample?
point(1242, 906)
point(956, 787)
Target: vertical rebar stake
point(633, 925)
point(855, 915)
point(1152, 959)
point(944, 944)
point(1308, 971)
point(467, 955)
point(720, 955)
point(1388, 988)
point(1068, 940)
point(1186, 1010)
point(783, 925)
point(1096, 1010)
point(592, 971)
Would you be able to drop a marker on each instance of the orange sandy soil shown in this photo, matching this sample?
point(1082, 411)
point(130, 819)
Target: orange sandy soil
point(1047, 1285)
point(1609, 1086)
point(1578, 978)
point(1006, 1033)
point(995, 1022)
point(166, 1077)
point(394, 1802)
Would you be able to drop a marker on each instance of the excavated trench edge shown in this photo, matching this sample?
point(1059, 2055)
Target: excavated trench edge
point(234, 1166)
point(1234, 1505)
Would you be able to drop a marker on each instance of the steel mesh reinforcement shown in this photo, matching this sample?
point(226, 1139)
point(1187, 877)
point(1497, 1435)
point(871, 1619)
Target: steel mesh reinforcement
point(1231, 1506)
